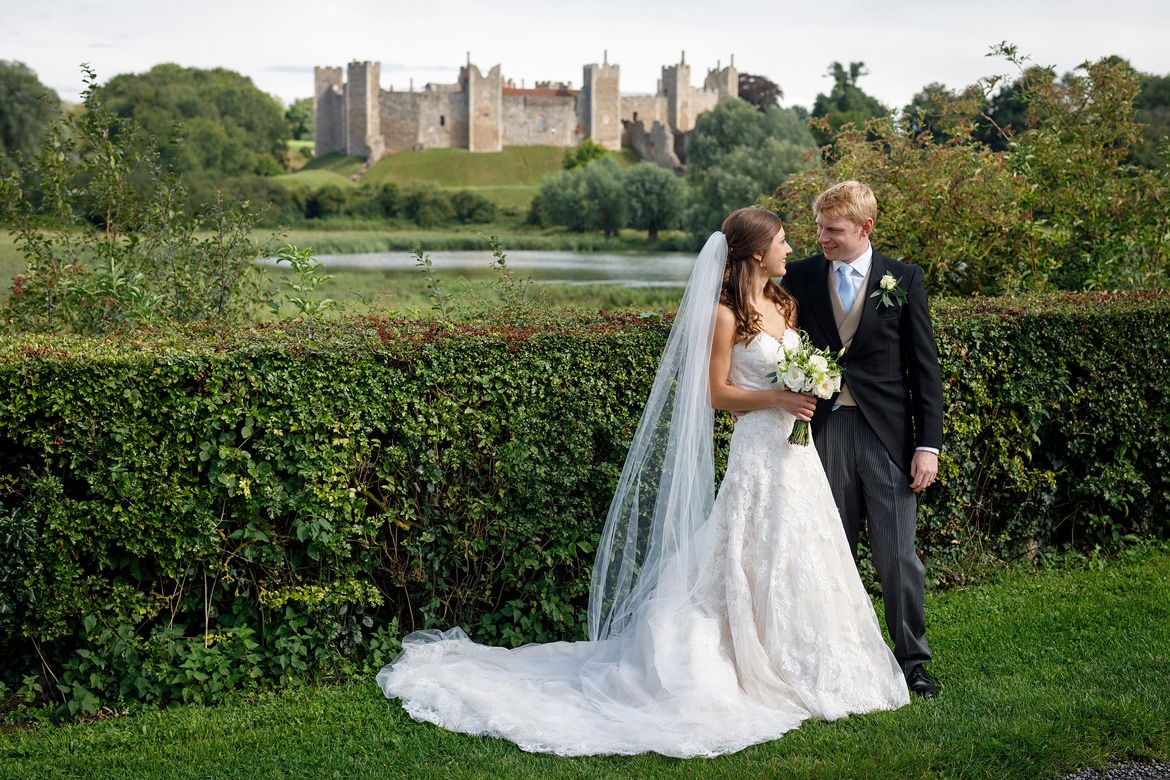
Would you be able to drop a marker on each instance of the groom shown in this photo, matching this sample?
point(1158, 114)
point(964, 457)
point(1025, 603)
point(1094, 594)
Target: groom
point(879, 438)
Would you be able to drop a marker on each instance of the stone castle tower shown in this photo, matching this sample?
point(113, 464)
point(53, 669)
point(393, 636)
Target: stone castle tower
point(485, 113)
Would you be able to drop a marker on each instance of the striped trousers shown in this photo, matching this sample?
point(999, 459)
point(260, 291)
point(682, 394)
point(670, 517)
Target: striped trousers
point(872, 492)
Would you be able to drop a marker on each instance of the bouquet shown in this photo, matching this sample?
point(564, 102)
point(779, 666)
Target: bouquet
point(805, 369)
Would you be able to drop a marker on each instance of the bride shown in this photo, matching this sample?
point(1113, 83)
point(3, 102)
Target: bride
point(715, 622)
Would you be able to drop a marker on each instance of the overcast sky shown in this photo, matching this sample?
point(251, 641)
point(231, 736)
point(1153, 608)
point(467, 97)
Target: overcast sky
point(904, 43)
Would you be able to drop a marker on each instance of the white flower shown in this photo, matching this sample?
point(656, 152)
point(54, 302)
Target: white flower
point(794, 378)
point(888, 282)
point(791, 342)
point(818, 364)
point(837, 383)
point(809, 381)
point(824, 388)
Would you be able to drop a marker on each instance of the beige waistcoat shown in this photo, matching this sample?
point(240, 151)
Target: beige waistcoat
point(847, 323)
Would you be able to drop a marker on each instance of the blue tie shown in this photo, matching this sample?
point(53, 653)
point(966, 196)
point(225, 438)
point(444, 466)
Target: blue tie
point(845, 287)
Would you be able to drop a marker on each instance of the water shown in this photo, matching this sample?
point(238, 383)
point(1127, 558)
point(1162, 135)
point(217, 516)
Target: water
point(544, 267)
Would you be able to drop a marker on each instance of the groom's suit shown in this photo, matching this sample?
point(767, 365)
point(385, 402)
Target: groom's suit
point(892, 374)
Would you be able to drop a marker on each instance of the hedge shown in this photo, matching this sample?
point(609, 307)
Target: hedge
point(185, 515)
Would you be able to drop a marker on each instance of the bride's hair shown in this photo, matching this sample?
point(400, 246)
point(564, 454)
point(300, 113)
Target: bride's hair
point(749, 231)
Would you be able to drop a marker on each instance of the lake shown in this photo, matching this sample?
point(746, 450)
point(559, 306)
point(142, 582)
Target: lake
point(544, 267)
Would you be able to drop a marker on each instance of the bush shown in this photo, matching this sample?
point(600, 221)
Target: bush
point(185, 515)
point(108, 238)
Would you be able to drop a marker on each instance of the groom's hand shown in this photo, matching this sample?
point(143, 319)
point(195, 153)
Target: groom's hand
point(923, 470)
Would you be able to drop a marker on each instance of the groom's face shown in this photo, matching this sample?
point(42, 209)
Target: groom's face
point(841, 238)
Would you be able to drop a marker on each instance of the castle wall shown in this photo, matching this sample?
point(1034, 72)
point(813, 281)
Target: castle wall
point(602, 105)
point(531, 118)
point(484, 102)
point(363, 111)
point(646, 109)
point(655, 143)
point(424, 120)
point(676, 88)
point(482, 114)
point(328, 111)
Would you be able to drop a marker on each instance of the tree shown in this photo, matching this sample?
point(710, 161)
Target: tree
point(589, 197)
point(739, 154)
point(1006, 112)
point(1153, 112)
point(584, 154)
point(759, 91)
point(1058, 209)
point(299, 116)
point(603, 196)
point(26, 107)
point(654, 197)
point(107, 239)
point(846, 103)
point(928, 111)
point(230, 127)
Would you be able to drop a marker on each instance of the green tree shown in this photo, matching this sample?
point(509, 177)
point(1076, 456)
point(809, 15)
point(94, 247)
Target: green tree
point(229, 126)
point(738, 154)
point(26, 107)
point(760, 91)
point(1006, 113)
point(1058, 209)
point(654, 197)
point(934, 110)
point(590, 197)
point(560, 200)
point(147, 261)
point(299, 116)
point(1153, 113)
point(603, 196)
point(847, 103)
point(584, 154)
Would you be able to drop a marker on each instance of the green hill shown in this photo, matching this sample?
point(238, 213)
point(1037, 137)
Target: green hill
point(515, 166)
point(313, 179)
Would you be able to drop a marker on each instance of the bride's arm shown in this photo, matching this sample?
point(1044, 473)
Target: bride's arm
point(736, 399)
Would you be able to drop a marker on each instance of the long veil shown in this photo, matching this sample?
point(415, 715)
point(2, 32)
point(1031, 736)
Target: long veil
point(667, 485)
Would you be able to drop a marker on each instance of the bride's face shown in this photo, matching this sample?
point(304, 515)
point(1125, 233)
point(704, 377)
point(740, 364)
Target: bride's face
point(774, 261)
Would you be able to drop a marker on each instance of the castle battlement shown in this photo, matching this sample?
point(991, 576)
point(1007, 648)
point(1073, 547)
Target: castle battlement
point(485, 113)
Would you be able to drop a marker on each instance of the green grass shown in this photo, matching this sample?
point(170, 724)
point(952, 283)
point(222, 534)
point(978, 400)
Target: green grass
point(518, 197)
point(313, 179)
point(1041, 674)
point(515, 166)
point(337, 162)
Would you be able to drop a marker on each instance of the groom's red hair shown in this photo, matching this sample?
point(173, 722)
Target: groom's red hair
point(850, 199)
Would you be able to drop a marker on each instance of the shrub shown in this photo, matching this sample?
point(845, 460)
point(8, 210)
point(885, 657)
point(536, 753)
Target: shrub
point(108, 239)
point(185, 515)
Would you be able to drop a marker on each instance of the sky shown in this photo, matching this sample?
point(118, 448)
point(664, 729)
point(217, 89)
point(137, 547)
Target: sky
point(904, 44)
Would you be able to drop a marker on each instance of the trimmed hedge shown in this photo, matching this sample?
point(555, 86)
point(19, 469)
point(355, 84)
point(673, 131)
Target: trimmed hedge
point(186, 515)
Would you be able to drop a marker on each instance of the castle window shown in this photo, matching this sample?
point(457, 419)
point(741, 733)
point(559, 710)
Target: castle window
point(635, 116)
point(541, 123)
point(442, 121)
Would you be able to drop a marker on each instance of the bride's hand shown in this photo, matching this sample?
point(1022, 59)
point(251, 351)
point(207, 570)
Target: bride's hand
point(799, 405)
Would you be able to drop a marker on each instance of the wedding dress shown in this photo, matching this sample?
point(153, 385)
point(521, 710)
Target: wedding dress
point(743, 616)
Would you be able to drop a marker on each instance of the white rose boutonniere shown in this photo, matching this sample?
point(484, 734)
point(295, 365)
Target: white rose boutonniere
point(889, 292)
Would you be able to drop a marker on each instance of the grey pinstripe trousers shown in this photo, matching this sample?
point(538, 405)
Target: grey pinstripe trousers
point(871, 491)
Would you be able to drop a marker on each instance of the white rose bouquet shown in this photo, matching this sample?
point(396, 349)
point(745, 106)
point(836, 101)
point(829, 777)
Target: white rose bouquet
point(805, 369)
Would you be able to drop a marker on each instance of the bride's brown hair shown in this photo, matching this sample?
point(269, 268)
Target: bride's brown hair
point(749, 231)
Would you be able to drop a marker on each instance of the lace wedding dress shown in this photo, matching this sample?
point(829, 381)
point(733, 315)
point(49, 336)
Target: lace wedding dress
point(766, 626)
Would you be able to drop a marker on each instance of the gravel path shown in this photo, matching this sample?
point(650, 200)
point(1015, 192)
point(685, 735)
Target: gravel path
point(1154, 770)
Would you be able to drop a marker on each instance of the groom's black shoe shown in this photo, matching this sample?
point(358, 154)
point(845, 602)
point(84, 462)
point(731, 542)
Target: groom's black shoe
point(919, 682)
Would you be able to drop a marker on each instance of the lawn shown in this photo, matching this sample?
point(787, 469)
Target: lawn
point(514, 166)
point(1041, 673)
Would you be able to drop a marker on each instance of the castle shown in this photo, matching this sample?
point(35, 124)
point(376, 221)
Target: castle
point(486, 113)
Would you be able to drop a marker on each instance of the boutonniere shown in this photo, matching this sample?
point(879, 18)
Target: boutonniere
point(889, 291)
